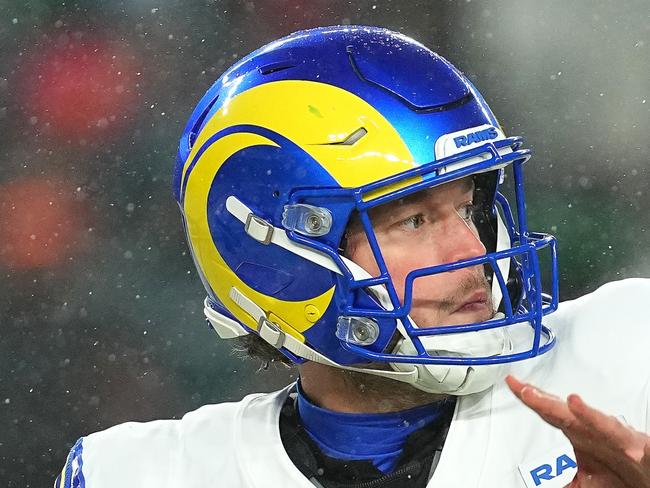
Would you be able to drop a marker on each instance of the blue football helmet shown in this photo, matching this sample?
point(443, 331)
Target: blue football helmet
point(307, 130)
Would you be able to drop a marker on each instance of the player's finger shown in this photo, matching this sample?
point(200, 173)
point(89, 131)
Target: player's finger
point(514, 384)
point(517, 386)
point(609, 461)
point(599, 423)
point(605, 472)
point(551, 408)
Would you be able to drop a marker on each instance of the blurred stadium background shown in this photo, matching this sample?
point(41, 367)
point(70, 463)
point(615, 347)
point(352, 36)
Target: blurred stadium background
point(100, 307)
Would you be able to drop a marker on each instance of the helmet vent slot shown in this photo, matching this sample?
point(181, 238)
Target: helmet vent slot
point(275, 67)
point(199, 122)
point(350, 140)
point(355, 136)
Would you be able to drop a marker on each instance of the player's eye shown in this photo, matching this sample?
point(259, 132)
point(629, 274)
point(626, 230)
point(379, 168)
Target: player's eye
point(466, 212)
point(413, 222)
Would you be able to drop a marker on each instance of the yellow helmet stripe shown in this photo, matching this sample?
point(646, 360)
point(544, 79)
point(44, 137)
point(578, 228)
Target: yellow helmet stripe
point(318, 117)
point(298, 314)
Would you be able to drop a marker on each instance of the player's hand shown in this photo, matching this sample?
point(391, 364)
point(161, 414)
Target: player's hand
point(609, 454)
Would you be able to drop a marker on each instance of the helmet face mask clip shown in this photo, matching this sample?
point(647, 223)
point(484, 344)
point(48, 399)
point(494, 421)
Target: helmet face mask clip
point(271, 169)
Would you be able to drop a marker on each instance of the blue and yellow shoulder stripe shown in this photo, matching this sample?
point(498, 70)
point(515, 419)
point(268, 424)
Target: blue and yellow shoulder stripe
point(72, 475)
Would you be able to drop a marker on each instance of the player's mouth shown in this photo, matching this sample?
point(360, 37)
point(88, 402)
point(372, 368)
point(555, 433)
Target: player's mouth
point(476, 302)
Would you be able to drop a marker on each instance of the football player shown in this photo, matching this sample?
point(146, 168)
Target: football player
point(343, 191)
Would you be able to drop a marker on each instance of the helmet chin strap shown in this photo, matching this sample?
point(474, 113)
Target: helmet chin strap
point(452, 379)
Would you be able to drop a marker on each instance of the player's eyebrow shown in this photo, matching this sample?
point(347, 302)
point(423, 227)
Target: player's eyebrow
point(379, 213)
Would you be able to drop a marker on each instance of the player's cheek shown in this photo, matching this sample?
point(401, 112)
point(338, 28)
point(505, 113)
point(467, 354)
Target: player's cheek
point(400, 264)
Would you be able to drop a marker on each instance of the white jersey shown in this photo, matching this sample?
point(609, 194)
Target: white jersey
point(494, 440)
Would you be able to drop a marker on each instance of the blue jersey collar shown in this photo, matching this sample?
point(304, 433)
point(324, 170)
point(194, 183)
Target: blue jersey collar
point(375, 437)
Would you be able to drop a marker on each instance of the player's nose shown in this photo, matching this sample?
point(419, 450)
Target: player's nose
point(463, 241)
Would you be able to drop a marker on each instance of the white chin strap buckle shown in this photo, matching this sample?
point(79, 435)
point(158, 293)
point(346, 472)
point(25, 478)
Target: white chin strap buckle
point(270, 332)
point(259, 229)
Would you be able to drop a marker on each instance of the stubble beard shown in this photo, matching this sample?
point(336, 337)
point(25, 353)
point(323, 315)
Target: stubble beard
point(388, 395)
point(391, 395)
